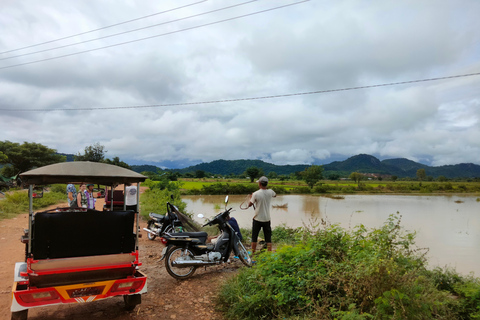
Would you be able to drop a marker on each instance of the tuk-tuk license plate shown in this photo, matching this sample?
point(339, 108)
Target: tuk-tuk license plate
point(84, 292)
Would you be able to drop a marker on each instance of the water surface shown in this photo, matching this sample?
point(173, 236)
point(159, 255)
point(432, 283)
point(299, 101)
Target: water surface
point(447, 225)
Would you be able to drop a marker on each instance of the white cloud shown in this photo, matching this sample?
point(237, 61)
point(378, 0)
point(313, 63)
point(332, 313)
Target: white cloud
point(307, 47)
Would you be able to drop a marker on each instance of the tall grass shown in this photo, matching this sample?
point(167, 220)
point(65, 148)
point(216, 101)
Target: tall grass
point(17, 202)
point(332, 273)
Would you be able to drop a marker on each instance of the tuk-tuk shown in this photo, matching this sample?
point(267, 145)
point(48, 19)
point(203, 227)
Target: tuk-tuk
point(77, 255)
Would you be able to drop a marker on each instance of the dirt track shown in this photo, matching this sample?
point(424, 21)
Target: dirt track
point(167, 298)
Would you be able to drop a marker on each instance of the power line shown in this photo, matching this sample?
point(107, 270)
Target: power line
point(102, 28)
point(155, 36)
point(253, 98)
point(129, 31)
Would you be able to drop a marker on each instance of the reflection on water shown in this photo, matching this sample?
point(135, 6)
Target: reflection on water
point(447, 225)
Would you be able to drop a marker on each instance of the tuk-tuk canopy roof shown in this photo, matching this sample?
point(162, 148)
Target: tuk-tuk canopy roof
point(81, 171)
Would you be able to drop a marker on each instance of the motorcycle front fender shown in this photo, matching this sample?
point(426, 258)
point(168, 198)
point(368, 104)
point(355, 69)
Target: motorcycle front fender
point(164, 252)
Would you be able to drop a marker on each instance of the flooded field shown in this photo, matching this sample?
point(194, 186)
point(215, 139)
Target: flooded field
point(448, 225)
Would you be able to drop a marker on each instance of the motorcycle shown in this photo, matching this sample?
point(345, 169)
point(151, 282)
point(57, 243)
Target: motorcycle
point(172, 222)
point(185, 252)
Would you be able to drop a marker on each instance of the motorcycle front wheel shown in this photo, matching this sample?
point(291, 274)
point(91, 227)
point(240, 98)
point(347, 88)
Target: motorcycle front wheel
point(243, 255)
point(180, 254)
point(151, 226)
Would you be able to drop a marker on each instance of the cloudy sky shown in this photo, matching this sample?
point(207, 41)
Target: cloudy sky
point(187, 81)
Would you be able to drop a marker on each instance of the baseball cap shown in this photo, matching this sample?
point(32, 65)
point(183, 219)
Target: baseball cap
point(90, 184)
point(263, 179)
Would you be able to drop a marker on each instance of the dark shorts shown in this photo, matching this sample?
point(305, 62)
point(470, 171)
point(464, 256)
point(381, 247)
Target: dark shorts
point(267, 230)
point(132, 207)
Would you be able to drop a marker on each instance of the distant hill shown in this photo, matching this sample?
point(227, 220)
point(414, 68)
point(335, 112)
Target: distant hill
point(145, 167)
point(225, 167)
point(362, 163)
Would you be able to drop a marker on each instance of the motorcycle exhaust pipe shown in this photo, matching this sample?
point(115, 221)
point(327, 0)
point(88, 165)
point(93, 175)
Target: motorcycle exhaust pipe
point(192, 263)
point(150, 231)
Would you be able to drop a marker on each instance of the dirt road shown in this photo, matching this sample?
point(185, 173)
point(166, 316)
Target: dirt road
point(167, 298)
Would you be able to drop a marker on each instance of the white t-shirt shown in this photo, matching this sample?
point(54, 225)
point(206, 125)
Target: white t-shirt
point(131, 197)
point(262, 199)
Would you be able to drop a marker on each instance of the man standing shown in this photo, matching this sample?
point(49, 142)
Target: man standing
point(131, 197)
point(261, 220)
point(72, 195)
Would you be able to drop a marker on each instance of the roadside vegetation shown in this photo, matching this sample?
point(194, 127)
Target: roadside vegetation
point(326, 272)
point(16, 202)
point(244, 186)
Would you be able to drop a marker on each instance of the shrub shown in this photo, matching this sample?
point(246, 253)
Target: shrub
point(336, 274)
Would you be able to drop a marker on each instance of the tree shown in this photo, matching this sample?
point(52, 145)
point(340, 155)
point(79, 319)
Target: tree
point(272, 175)
point(442, 178)
point(116, 162)
point(421, 174)
point(3, 157)
point(94, 153)
point(312, 175)
point(357, 177)
point(394, 178)
point(253, 173)
point(199, 174)
point(23, 157)
point(333, 176)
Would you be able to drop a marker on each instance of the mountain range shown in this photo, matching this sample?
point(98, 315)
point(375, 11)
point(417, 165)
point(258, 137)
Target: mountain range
point(362, 163)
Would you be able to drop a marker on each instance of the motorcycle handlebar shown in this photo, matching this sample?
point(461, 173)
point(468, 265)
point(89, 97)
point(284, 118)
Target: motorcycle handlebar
point(214, 218)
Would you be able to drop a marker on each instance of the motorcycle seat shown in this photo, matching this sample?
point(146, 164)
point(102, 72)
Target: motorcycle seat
point(201, 236)
point(156, 216)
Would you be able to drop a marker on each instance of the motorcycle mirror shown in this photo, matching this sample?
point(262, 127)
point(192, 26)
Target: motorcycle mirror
point(226, 199)
point(200, 215)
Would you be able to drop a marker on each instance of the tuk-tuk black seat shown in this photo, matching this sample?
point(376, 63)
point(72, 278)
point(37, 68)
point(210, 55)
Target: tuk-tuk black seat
point(77, 234)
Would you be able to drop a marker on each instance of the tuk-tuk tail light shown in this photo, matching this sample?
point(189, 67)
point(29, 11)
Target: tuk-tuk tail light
point(33, 298)
point(130, 286)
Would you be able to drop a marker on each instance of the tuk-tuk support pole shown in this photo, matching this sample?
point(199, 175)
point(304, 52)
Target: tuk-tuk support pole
point(138, 215)
point(30, 217)
point(111, 197)
point(124, 196)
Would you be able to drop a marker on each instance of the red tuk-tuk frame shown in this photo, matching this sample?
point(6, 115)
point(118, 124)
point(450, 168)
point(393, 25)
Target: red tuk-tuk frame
point(75, 255)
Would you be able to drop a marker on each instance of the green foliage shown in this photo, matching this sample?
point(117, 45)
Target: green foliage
point(253, 173)
point(155, 200)
point(357, 177)
point(93, 153)
point(17, 202)
point(227, 188)
point(421, 174)
point(312, 175)
point(116, 162)
point(332, 273)
point(23, 157)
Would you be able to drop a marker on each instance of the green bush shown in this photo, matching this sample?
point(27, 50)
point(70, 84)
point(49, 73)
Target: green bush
point(155, 200)
point(332, 273)
point(302, 190)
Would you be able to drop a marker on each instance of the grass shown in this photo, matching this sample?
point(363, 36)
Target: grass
point(16, 202)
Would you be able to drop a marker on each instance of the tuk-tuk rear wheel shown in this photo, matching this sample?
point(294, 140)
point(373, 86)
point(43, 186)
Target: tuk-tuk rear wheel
point(20, 315)
point(131, 301)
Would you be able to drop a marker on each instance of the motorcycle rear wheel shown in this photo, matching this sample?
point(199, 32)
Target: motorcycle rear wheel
point(151, 226)
point(179, 273)
point(243, 255)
